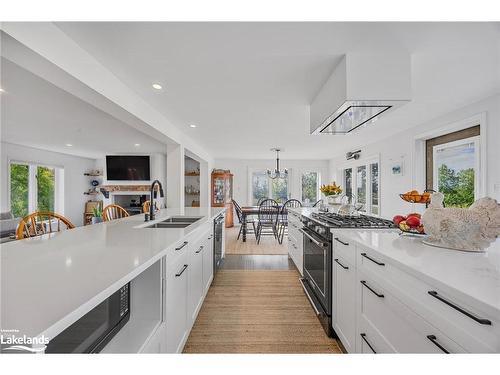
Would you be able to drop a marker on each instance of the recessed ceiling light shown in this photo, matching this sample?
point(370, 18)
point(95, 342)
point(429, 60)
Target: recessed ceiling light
point(192, 126)
point(137, 144)
point(157, 86)
point(69, 145)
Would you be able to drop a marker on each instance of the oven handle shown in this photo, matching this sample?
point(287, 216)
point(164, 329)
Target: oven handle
point(309, 298)
point(321, 244)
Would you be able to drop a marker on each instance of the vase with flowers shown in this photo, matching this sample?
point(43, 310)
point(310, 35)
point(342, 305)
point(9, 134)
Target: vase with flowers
point(331, 192)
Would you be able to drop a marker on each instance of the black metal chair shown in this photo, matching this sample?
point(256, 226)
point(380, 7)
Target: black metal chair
point(261, 200)
point(239, 213)
point(283, 219)
point(316, 204)
point(268, 218)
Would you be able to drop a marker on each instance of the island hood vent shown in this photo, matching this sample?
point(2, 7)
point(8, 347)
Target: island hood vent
point(361, 89)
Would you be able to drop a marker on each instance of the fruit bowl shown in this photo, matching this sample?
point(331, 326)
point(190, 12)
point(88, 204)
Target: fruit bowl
point(411, 232)
point(416, 198)
point(409, 224)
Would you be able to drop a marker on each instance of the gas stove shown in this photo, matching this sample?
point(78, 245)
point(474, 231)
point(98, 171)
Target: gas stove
point(333, 220)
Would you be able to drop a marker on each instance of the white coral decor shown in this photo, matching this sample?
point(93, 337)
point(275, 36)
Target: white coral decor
point(469, 229)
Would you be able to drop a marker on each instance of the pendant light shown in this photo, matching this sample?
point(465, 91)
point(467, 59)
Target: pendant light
point(277, 173)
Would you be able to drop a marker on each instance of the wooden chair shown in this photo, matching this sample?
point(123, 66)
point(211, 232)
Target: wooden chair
point(268, 218)
point(240, 217)
point(114, 211)
point(89, 211)
point(42, 222)
point(259, 202)
point(283, 220)
point(145, 207)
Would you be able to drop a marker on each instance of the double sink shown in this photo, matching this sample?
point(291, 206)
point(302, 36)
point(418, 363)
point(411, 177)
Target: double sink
point(175, 222)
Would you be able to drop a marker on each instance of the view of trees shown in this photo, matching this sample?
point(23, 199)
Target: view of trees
point(310, 187)
point(457, 187)
point(280, 189)
point(20, 187)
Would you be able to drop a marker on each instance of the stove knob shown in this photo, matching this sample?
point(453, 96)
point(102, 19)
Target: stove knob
point(310, 224)
point(320, 230)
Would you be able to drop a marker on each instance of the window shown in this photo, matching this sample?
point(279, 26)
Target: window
point(264, 187)
point(310, 188)
point(32, 188)
point(453, 166)
point(362, 182)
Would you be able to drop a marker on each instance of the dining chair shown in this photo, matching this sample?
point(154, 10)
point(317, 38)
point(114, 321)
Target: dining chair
point(239, 214)
point(261, 200)
point(114, 211)
point(268, 218)
point(42, 222)
point(283, 219)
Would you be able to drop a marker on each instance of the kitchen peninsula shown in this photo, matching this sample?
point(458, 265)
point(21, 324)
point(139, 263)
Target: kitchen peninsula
point(49, 282)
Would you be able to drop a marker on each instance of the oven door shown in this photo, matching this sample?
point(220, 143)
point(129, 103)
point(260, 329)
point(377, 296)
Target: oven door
point(317, 267)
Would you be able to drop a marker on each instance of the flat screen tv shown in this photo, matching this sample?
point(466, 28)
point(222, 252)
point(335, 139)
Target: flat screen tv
point(127, 167)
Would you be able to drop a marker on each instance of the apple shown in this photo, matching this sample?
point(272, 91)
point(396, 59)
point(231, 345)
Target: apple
point(413, 221)
point(398, 219)
point(403, 226)
point(415, 214)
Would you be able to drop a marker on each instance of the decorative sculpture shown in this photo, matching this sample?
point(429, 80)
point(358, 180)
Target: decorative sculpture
point(468, 229)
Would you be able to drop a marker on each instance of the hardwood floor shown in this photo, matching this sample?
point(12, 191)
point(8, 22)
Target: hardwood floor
point(258, 311)
point(257, 262)
point(268, 244)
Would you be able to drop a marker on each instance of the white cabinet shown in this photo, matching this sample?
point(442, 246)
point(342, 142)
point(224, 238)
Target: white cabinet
point(295, 242)
point(195, 275)
point(208, 261)
point(344, 302)
point(176, 304)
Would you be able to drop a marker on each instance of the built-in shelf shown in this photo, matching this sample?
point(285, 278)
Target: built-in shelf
point(91, 193)
point(193, 174)
point(92, 175)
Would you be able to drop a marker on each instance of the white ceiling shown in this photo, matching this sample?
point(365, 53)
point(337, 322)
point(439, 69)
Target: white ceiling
point(247, 86)
point(38, 114)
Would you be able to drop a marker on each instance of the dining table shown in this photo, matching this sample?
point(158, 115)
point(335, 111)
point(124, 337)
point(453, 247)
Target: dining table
point(247, 211)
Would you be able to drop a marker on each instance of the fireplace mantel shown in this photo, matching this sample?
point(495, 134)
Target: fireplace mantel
point(107, 189)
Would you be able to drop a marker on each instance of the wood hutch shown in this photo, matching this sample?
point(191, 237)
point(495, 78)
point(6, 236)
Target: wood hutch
point(222, 193)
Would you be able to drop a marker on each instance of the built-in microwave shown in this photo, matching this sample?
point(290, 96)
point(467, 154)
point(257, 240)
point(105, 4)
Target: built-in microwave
point(94, 330)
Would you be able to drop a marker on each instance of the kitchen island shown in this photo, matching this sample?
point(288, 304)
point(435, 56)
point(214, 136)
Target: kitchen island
point(49, 282)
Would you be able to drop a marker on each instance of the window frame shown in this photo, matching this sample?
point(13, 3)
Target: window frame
point(33, 185)
point(251, 171)
point(318, 184)
point(367, 163)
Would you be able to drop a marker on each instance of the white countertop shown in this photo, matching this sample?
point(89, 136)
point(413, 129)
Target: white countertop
point(50, 281)
point(474, 277)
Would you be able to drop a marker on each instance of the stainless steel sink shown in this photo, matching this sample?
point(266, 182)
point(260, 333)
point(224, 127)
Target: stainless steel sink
point(175, 222)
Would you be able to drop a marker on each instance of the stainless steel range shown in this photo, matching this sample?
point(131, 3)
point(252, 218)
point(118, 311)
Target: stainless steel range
point(318, 252)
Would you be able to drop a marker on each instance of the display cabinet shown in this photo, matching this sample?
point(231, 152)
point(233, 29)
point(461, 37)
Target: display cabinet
point(222, 193)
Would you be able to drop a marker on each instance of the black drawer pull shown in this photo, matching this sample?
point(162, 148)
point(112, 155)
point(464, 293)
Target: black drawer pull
point(458, 308)
point(180, 247)
point(371, 290)
point(433, 339)
point(363, 336)
point(181, 271)
point(200, 249)
point(340, 264)
point(373, 260)
point(342, 242)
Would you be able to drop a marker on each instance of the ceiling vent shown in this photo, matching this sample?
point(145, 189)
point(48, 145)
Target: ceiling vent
point(361, 88)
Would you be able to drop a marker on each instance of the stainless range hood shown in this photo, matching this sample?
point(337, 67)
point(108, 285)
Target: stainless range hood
point(359, 91)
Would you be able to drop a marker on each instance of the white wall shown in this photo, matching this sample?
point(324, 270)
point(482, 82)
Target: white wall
point(239, 168)
point(75, 183)
point(402, 146)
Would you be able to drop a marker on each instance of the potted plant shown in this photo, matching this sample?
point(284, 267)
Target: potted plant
point(97, 215)
point(331, 192)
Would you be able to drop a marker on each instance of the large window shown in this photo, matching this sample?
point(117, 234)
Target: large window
point(453, 166)
point(361, 184)
point(310, 188)
point(264, 187)
point(32, 188)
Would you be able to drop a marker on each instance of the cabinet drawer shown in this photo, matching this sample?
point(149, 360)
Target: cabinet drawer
point(400, 328)
point(344, 248)
point(344, 302)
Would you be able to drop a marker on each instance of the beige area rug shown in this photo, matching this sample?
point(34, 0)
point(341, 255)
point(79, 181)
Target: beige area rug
point(258, 312)
point(268, 244)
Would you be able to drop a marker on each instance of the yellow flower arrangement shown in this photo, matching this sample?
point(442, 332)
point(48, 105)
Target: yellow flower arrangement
point(331, 189)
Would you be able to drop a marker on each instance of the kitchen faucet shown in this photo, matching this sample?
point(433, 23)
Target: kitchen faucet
point(153, 196)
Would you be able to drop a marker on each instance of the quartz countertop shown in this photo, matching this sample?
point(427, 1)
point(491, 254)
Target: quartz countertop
point(48, 282)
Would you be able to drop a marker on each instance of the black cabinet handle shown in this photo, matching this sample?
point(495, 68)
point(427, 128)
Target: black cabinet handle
point(373, 260)
point(181, 271)
point(371, 290)
point(340, 264)
point(458, 308)
point(342, 242)
point(200, 249)
point(363, 336)
point(433, 339)
point(180, 247)
point(209, 238)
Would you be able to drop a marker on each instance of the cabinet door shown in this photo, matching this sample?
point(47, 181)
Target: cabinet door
point(208, 261)
point(176, 305)
point(345, 302)
point(195, 284)
point(299, 255)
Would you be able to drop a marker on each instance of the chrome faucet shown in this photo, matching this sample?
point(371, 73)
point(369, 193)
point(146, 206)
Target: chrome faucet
point(153, 197)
